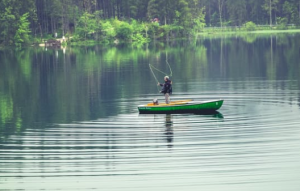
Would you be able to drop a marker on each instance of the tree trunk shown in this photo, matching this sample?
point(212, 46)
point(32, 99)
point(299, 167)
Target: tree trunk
point(85, 20)
point(62, 18)
point(209, 13)
point(41, 30)
point(271, 13)
point(220, 11)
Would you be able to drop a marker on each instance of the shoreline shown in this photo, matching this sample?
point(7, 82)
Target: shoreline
point(205, 33)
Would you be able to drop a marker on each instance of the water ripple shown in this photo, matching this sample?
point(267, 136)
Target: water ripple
point(253, 140)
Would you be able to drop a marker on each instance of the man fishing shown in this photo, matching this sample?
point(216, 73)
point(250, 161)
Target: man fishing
point(166, 88)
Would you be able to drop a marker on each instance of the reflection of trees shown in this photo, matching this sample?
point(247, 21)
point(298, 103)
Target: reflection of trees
point(49, 86)
point(6, 109)
point(249, 37)
point(222, 68)
point(271, 65)
point(55, 85)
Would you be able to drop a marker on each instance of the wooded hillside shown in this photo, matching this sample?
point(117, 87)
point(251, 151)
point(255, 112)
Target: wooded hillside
point(23, 19)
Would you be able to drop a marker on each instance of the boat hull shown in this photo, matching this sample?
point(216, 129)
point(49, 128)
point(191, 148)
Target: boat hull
point(189, 107)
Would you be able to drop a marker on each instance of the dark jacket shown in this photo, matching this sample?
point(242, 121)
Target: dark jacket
point(166, 87)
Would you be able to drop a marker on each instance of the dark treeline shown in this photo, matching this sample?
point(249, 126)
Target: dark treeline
point(22, 20)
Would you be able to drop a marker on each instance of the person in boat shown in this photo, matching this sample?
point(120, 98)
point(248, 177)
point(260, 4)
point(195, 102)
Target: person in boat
point(166, 88)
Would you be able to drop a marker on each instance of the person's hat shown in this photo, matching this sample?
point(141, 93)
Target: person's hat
point(167, 77)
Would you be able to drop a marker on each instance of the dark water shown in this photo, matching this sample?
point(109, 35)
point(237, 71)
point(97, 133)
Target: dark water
point(69, 119)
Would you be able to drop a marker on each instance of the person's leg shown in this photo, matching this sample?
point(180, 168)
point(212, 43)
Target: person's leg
point(167, 98)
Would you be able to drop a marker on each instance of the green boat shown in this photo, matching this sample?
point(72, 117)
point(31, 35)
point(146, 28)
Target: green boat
point(182, 106)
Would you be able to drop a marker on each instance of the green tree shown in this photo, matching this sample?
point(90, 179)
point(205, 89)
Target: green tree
point(186, 17)
point(287, 10)
point(250, 26)
point(108, 30)
point(220, 9)
point(11, 12)
point(290, 12)
point(155, 10)
point(23, 31)
point(198, 16)
point(282, 23)
point(270, 6)
point(87, 26)
point(7, 26)
point(86, 17)
point(237, 11)
point(255, 11)
point(123, 30)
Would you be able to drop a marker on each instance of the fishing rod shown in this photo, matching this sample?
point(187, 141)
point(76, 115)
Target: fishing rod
point(152, 67)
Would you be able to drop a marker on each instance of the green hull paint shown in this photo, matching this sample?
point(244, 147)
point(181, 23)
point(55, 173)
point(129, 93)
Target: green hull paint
point(190, 107)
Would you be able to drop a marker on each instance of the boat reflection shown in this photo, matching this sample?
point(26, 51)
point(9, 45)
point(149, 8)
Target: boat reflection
point(215, 114)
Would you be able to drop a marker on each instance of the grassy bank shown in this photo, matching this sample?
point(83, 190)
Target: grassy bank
point(242, 31)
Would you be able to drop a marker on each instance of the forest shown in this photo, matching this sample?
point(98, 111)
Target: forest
point(32, 21)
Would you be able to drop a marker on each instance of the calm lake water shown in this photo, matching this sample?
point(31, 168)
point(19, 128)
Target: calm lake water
point(69, 118)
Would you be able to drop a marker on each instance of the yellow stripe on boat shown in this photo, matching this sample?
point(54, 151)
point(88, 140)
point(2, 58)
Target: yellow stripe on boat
point(179, 102)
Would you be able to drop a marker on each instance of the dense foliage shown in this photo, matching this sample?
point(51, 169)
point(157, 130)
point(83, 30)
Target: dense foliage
point(134, 20)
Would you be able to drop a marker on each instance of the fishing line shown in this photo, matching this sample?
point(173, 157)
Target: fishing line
point(152, 67)
point(154, 76)
point(169, 68)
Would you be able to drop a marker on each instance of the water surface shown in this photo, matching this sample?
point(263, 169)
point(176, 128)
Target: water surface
point(69, 119)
